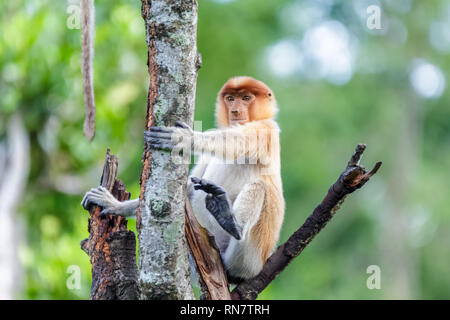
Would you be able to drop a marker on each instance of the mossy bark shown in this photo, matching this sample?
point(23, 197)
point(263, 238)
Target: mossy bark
point(164, 271)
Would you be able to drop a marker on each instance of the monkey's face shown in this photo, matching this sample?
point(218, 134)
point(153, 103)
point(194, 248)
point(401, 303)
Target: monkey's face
point(244, 99)
point(238, 105)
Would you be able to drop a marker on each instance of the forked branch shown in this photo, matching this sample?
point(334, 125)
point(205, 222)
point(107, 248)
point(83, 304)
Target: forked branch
point(352, 178)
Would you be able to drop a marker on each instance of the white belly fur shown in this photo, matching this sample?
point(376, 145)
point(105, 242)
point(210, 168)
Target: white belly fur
point(232, 178)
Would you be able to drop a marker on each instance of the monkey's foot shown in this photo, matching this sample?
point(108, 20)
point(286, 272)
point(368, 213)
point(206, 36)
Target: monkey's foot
point(218, 205)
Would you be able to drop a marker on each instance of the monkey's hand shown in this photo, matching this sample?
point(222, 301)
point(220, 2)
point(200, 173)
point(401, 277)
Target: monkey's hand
point(101, 197)
point(166, 138)
point(218, 205)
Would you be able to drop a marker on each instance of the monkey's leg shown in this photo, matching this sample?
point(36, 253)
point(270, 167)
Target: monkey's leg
point(103, 198)
point(248, 205)
point(242, 259)
point(219, 206)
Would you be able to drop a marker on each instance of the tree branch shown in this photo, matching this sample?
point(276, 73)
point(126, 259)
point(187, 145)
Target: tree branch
point(213, 279)
point(352, 178)
point(111, 247)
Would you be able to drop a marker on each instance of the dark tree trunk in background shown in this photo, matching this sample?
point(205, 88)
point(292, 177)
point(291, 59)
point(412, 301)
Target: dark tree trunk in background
point(171, 28)
point(111, 247)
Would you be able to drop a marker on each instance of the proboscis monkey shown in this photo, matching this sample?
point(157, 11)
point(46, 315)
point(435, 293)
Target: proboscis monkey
point(235, 189)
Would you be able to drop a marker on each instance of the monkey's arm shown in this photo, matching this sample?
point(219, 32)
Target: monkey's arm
point(103, 198)
point(250, 141)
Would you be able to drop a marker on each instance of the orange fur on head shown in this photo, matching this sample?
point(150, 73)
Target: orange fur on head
point(264, 107)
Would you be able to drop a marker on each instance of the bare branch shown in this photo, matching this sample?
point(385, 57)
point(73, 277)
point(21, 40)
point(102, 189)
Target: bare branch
point(353, 177)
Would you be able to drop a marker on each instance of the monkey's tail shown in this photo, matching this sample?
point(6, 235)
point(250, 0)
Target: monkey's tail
point(87, 39)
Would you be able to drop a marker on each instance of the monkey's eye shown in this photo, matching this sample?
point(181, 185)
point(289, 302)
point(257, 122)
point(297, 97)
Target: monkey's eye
point(230, 98)
point(246, 98)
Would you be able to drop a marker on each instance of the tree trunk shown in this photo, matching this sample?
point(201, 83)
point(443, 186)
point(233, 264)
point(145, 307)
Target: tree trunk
point(171, 27)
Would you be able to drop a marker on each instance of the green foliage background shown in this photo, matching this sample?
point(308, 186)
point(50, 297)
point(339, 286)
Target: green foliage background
point(400, 221)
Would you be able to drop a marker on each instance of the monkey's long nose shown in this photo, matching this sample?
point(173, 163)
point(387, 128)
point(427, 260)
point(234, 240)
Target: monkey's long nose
point(235, 113)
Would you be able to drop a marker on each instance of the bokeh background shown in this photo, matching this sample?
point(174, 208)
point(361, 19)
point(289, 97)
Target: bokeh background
point(337, 82)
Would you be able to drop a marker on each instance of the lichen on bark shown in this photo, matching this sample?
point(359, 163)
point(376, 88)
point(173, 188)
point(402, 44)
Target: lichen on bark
point(171, 27)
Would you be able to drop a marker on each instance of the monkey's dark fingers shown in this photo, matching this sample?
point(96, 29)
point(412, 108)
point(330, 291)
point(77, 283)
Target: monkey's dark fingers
point(157, 140)
point(106, 211)
point(84, 202)
point(195, 180)
point(211, 187)
point(159, 145)
point(181, 124)
point(160, 139)
point(99, 190)
point(220, 209)
point(230, 225)
point(208, 187)
point(92, 199)
point(93, 195)
point(89, 200)
point(161, 129)
point(166, 135)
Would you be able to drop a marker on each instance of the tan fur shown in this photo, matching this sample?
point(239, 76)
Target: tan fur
point(265, 234)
